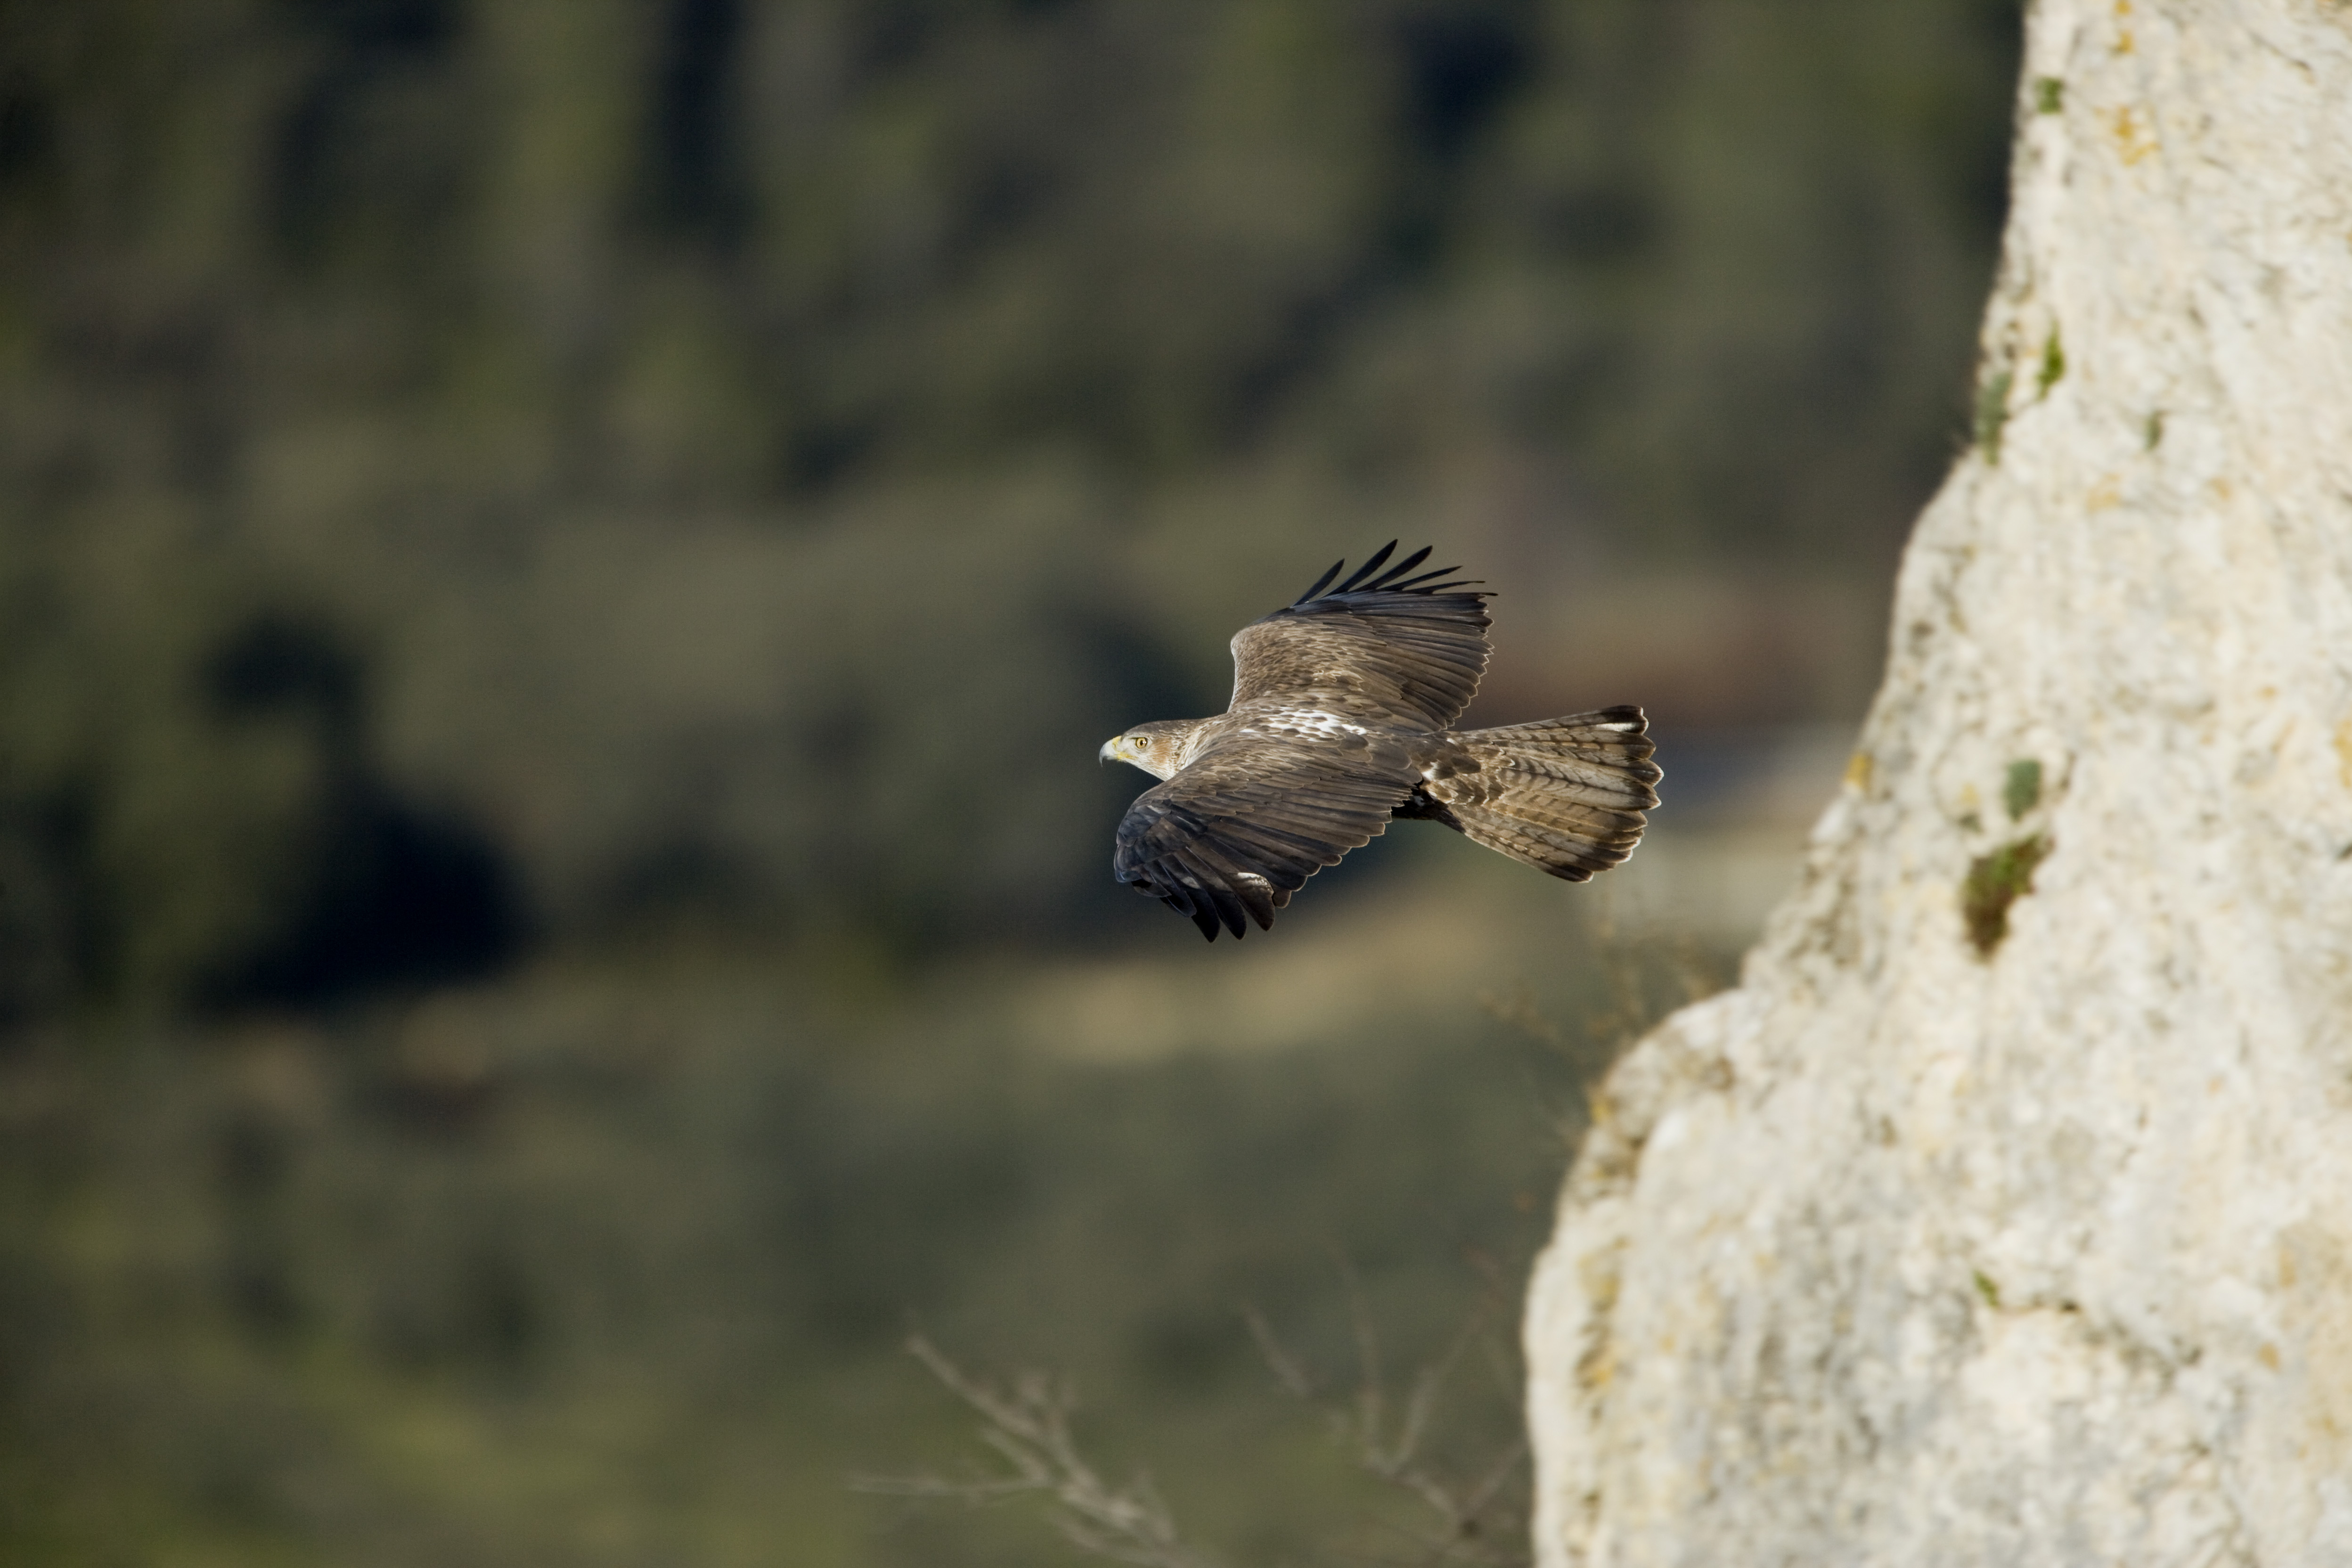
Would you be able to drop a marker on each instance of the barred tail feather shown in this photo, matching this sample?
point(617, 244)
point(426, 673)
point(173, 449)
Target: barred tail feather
point(1564, 795)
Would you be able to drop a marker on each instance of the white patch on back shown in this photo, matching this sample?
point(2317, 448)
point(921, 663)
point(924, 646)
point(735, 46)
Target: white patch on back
point(1315, 722)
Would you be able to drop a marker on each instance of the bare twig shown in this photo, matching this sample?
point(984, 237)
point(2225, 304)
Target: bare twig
point(1630, 966)
point(1372, 1394)
point(1520, 1012)
point(1285, 1366)
point(1475, 1522)
point(1027, 1425)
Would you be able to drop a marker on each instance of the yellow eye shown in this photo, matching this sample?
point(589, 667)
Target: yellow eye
point(1140, 742)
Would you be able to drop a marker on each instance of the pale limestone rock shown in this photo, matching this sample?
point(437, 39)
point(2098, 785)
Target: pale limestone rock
point(1903, 1254)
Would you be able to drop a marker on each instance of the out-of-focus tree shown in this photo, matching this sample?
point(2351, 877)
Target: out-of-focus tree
point(730, 443)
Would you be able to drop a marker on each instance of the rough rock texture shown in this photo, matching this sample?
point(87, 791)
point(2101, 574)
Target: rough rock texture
point(2003, 1213)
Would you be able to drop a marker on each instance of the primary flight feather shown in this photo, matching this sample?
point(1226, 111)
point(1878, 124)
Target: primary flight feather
point(1339, 725)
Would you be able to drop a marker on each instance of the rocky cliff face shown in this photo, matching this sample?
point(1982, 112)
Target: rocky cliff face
point(2003, 1213)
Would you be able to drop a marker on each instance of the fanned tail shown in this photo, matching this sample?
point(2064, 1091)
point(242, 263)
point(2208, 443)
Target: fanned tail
point(1565, 794)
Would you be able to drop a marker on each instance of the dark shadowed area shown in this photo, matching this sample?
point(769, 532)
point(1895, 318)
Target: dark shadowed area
point(563, 567)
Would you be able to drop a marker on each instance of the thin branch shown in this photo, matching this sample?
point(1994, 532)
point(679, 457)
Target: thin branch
point(1027, 1425)
point(1370, 1397)
point(1519, 1011)
point(1286, 1370)
point(1474, 1526)
point(1499, 1476)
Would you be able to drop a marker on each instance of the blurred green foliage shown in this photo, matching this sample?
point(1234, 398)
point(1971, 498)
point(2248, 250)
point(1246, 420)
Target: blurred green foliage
point(562, 564)
point(742, 449)
point(612, 1266)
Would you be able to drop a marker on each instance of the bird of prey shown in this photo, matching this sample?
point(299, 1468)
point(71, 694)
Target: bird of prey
point(1339, 725)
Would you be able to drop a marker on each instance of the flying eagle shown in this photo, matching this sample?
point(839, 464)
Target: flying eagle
point(1339, 725)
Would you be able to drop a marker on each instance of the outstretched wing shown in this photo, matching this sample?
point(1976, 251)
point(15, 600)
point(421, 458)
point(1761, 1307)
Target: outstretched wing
point(1250, 820)
point(1410, 647)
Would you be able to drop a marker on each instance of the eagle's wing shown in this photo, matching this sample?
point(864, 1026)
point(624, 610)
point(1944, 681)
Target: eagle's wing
point(1412, 647)
point(1245, 826)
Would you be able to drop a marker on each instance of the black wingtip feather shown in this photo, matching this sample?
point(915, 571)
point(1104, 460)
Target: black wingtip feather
point(1229, 909)
point(1369, 578)
point(1368, 568)
point(1387, 578)
point(1322, 583)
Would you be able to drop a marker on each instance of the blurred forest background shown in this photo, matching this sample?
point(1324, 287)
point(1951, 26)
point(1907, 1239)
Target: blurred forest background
point(562, 564)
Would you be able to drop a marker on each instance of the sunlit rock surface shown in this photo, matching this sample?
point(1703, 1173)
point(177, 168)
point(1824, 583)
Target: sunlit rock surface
point(2005, 1214)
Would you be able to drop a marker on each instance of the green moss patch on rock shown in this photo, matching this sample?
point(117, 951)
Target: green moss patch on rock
point(2053, 365)
point(1992, 414)
point(1994, 882)
point(2021, 791)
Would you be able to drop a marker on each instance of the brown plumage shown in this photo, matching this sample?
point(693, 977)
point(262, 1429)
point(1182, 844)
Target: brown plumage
point(1338, 726)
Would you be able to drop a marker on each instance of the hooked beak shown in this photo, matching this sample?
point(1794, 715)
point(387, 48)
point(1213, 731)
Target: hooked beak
point(1109, 751)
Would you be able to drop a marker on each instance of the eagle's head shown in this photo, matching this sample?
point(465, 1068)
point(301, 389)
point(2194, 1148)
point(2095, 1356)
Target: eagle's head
point(1156, 747)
